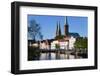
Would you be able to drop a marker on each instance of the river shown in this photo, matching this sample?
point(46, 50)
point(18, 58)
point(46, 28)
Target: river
point(53, 56)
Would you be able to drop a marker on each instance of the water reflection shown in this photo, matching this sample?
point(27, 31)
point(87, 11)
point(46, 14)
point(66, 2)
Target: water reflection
point(53, 56)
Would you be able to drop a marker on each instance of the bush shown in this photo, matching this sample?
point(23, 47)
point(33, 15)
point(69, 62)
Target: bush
point(33, 53)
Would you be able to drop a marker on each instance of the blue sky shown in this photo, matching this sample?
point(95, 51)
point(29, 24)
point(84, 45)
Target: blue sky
point(48, 24)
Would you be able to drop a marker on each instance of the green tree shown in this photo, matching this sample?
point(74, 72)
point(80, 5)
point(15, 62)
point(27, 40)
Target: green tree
point(81, 46)
point(33, 53)
point(57, 46)
point(81, 42)
point(59, 37)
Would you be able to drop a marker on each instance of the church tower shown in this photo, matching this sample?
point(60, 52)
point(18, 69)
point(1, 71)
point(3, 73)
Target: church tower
point(58, 29)
point(66, 27)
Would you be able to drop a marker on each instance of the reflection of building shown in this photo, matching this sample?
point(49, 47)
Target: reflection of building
point(65, 41)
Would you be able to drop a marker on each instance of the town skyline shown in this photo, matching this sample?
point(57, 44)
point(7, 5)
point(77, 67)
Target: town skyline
point(48, 25)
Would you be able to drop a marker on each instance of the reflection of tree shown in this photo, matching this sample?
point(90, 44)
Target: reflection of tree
point(33, 53)
point(34, 30)
point(81, 46)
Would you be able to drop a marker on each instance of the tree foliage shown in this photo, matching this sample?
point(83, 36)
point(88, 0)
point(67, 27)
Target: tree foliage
point(34, 30)
point(59, 37)
point(57, 46)
point(81, 42)
point(33, 53)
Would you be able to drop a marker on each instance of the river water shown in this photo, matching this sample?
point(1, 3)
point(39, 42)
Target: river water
point(53, 56)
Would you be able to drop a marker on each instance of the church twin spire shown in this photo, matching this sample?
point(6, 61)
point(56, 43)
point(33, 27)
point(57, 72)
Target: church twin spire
point(58, 29)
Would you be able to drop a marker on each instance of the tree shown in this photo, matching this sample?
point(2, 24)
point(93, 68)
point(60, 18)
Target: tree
point(33, 53)
point(81, 42)
point(34, 30)
point(81, 46)
point(57, 46)
point(59, 37)
point(40, 36)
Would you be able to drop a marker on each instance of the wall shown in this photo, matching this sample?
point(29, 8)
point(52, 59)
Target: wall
point(5, 41)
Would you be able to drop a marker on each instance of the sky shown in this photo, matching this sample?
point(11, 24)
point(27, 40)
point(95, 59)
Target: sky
point(48, 24)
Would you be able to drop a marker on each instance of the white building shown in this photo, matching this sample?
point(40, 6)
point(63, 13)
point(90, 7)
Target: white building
point(71, 42)
point(44, 45)
point(64, 44)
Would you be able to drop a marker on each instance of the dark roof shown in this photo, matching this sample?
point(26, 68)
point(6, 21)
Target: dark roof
point(74, 35)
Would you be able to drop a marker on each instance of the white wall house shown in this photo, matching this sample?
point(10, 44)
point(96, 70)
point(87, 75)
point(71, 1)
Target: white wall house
point(71, 42)
point(44, 45)
point(62, 44)
point(65, 44)
point(35, 45)
point(53, 44)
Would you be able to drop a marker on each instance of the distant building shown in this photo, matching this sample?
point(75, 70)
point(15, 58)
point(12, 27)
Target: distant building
point(75, 35)
point(65, 41)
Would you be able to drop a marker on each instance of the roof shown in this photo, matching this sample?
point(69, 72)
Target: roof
point(74, 35)
point(47, 40)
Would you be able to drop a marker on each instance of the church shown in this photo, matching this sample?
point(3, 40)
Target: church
point(61, 41)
